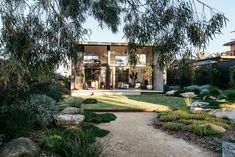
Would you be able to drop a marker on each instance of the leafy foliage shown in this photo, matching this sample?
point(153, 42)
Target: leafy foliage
point(232, 76)
point(71, 142)
point(99, 118)
point(20, 118)
point(89, 101)
point(230, 94)
point(49, 88)
point(205, 75)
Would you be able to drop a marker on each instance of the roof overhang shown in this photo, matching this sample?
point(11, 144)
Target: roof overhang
point(229, 43)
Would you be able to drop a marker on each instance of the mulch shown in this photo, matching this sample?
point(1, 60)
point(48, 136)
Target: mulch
point(212, 143)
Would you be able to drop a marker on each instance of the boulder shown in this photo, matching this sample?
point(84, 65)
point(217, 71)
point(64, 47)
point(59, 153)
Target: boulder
point(216, 127)
point(199, 107)
point(228, 149)
point(224, 113)
point(20, 147)
point(71, 110)
point(222, 100)
point(199, 104)
point(171, 92)
point(67, 120)
point(188, 94)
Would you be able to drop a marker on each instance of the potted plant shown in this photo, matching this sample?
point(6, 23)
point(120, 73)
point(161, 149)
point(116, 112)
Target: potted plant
point(148, 73)
point(134, 76)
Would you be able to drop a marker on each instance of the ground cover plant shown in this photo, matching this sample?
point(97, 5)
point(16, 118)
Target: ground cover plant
point(77, 141)
point(201, 128)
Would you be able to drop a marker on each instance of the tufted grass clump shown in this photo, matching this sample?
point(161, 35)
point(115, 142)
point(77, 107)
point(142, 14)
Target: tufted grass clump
point(173, 126)
point(203, 130)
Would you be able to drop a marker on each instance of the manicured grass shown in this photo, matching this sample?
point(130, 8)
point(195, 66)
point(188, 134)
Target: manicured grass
point(145, 102)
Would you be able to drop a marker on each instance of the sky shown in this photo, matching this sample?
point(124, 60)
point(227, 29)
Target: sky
point(216, 45)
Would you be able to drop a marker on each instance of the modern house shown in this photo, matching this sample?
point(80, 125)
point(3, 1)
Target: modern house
point(103, 68)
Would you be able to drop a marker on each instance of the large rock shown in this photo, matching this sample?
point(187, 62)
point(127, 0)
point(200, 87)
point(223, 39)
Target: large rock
point(188, 94)
point(67, 120)
point(199, 107)
point(20, 147)
point(171, 92)
point(224, 113)
point(71, 110)
point(228, 149)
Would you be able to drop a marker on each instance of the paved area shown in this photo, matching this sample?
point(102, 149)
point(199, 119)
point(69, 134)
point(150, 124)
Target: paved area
point(132, 135)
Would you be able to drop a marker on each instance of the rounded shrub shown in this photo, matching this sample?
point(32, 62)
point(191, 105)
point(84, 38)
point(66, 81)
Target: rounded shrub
point(230, 94)
point(75, 134)
point(52, 89)
point(90, 101)
point(40, 107)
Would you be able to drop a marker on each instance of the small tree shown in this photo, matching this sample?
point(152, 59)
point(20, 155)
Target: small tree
point(148, 73)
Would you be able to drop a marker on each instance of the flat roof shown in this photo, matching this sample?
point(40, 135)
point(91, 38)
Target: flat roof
point(95, 43)
point(230, 43)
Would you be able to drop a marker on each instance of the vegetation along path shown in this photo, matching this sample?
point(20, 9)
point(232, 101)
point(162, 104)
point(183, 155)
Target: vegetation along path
point(133, 135)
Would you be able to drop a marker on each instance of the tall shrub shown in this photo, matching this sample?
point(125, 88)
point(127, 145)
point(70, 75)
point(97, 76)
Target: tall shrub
point(232, 76)
point(205, 75)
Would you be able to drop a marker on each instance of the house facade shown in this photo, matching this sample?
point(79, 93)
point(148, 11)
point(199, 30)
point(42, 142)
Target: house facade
point(104, 66)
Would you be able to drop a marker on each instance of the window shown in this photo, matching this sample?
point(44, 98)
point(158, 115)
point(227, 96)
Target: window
point(142, 59)
point(121, 60)
point(90, 59)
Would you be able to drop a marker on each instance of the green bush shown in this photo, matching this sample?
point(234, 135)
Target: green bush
point(52, 89)
point(20, 118)
point(232, 76)
point(90, 101)
point(99, 118)
point(230, 94)
point(173, 126)
point(71, 142)
point(203, 130)
point(214, 91)
point(40, 107)
point(91, 131)
point(205, 75)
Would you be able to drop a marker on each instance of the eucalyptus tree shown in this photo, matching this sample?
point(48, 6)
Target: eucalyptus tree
point(37, 35)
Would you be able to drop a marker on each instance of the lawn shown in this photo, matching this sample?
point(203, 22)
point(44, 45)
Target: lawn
point(143, 102)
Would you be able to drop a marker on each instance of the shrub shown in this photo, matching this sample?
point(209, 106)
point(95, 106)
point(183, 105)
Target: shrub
point(214, 91)
point(99, 118)
point(90, 101)
point(203, 130)
point(232, 76)
point(230, 94)
point(212, 104)
point(70, 142)
point(173, 126)
point(20, 118)
point(205, 75)
point(52, 89)
point(40, 107)
point(91, 132)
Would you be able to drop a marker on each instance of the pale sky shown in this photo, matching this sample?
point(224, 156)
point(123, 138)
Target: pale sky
point(216, 45)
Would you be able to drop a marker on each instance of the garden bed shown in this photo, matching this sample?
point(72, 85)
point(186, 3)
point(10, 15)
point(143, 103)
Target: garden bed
point(191, 127)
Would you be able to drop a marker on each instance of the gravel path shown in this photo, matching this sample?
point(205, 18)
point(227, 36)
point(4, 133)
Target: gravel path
point(132, 135)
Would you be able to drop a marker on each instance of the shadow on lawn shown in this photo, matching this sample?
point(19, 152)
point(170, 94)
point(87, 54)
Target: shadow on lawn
point(158, 99)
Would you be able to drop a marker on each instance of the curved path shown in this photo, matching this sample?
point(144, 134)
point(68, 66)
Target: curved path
point(132, 135)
